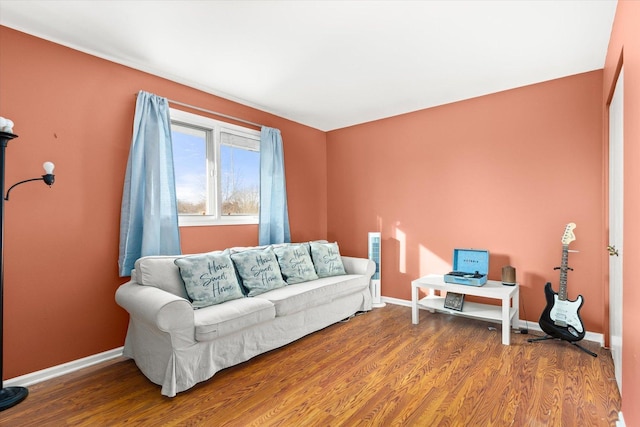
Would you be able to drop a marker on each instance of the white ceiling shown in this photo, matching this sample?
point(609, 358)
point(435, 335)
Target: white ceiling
point(332, 64)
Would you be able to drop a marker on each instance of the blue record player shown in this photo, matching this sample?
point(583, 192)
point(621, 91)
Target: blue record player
point(470, 267)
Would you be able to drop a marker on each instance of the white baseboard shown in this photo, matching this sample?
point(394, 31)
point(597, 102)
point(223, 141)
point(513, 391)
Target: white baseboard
point(396, 301)
point(66, 368)
point(589, 336)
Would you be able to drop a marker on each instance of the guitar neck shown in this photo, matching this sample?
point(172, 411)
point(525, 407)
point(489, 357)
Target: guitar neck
point(562, 293)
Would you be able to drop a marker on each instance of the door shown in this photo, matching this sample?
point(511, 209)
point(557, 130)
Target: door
point(616, 199)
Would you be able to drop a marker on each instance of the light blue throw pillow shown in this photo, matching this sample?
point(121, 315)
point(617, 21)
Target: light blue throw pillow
point(295, 263)
point(326, 259)
point(209, 278)
point(259, 270)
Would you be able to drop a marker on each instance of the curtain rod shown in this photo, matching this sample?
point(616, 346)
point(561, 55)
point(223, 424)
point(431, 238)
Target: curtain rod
point(213, 112)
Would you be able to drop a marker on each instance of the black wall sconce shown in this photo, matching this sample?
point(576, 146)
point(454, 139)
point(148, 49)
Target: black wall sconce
point(10, 396)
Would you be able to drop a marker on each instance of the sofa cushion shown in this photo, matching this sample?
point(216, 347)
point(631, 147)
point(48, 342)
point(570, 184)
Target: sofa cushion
point(222, 319)
point(295, 263)
point(258, 270)
point(209, 278)
point(160, 272)
point(294, 298)
point(326, 259)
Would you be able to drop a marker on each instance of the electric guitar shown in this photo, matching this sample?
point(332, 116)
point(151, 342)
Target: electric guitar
point(561, 317)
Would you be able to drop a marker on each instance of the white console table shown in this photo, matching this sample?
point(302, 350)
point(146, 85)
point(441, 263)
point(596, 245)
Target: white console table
point(507, 313)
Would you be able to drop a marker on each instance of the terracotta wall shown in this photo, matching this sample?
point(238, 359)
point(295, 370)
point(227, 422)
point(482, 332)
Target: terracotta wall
point(61, 243)
point(504, 172)
point(624, 48)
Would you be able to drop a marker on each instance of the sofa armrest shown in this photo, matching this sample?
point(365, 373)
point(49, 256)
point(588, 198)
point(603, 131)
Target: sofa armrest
point(159, 309)
point(363, 266)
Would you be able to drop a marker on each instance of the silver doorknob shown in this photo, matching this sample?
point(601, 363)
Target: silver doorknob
point(612, 250)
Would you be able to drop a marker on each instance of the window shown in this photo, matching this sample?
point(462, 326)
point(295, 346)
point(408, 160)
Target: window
point(217, 170)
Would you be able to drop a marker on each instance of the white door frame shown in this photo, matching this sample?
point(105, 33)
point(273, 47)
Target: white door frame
point(616, 223)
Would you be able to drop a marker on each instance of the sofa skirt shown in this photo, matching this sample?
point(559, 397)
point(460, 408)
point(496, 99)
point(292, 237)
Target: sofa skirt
point(177, 370)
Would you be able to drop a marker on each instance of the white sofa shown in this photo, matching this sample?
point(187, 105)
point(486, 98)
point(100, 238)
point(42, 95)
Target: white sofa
point(177, 347)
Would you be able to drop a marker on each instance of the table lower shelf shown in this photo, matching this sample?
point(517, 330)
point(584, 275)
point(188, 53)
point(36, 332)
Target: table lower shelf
point(469, 309)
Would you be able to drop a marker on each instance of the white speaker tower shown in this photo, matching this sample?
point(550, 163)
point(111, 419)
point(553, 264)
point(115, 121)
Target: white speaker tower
point(374, 255)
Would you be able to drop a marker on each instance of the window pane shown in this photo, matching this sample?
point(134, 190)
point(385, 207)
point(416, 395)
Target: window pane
point(240, 180)
point(217, 168)
point(190, 164)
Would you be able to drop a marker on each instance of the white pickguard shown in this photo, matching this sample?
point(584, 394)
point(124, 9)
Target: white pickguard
point(565, 313)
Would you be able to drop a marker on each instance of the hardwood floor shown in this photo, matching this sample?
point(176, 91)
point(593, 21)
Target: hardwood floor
point(377, 369)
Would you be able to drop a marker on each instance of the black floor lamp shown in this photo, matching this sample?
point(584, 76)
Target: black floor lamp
point(10, 396)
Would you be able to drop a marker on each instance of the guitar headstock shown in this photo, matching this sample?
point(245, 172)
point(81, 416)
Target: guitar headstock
point(568, 235)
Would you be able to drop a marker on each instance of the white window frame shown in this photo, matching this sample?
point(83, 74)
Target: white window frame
point(213, 128)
